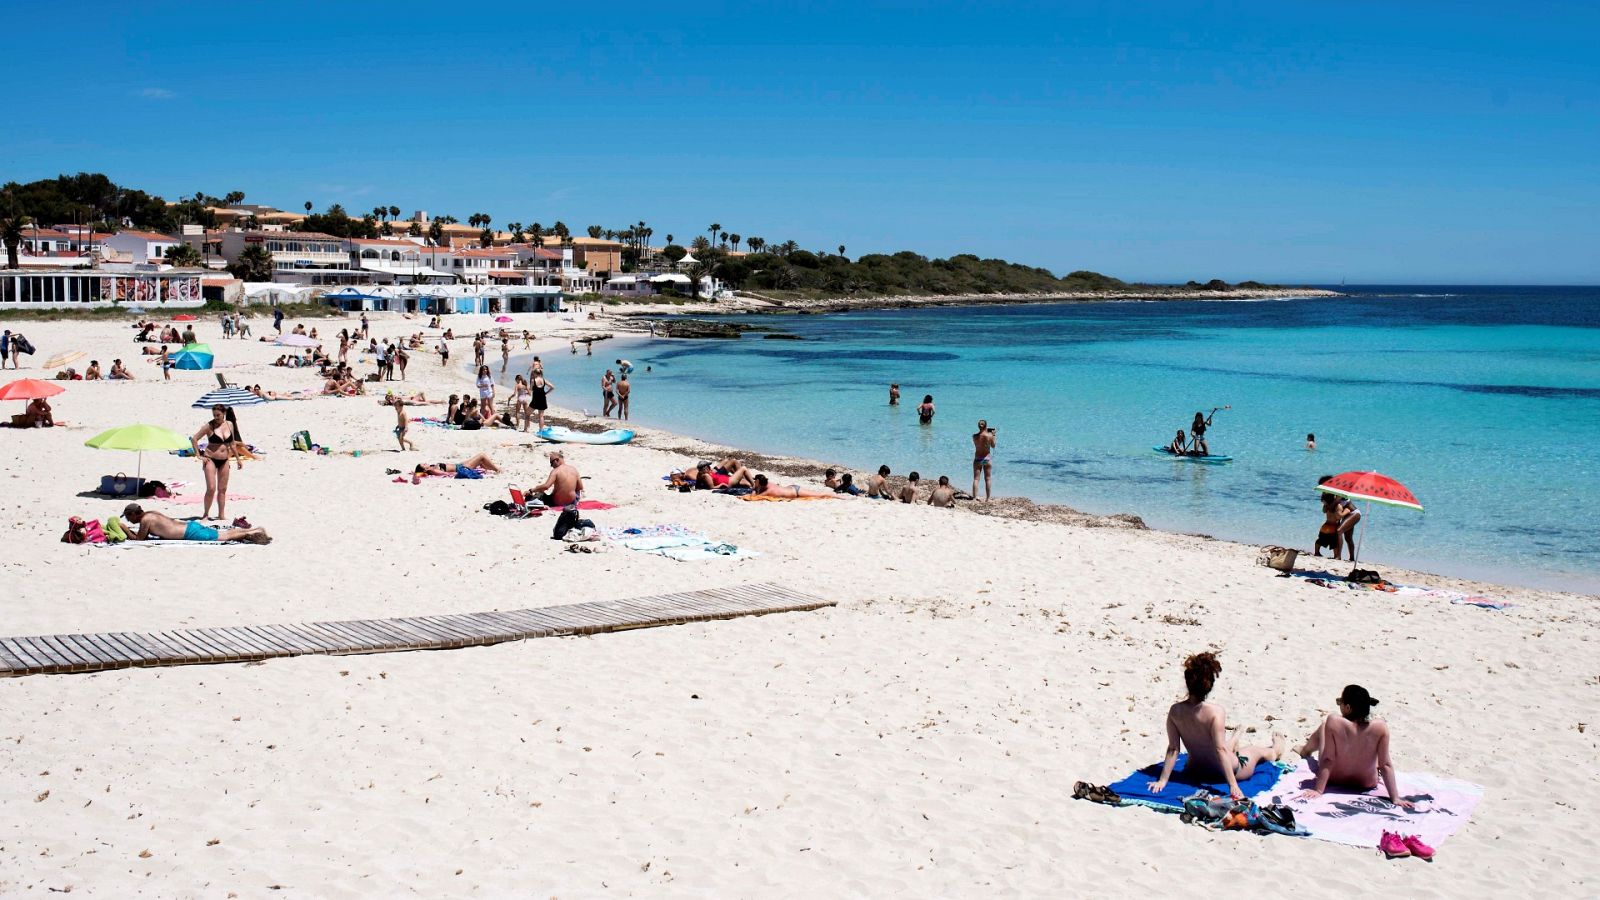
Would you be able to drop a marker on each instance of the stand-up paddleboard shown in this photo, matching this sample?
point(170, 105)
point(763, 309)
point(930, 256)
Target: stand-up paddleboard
point(1199, 459)
point(561, 435)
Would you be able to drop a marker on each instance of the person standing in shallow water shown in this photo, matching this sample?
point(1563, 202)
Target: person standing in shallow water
point(894, 395)
point(983, 459)
point(925, 410)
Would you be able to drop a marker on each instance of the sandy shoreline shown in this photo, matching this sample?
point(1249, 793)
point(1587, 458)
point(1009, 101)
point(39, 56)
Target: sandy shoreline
point(922, 737)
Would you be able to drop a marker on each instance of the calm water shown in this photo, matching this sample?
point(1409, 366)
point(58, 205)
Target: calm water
point(1484, 401)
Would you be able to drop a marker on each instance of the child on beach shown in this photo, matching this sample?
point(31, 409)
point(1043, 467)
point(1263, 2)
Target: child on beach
point(943, 495)
point(908, 494)
point(402, 422)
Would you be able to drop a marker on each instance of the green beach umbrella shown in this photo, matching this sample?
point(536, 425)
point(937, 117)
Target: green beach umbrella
point(138, 438)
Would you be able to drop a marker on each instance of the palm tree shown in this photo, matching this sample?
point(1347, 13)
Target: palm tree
point(379, 211)
point(394, 212)
point(234, 198)
point(596, 230)
point(841, 250)
point(183, 255)
point(11, 234)
point(734, 240)
point(755, 244)
point(714, 229)
point(517, 236)
point(669, 239)
point(536, 233)
point(308, 206)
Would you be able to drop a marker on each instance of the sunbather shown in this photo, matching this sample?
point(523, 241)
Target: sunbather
point(1351, 749)
point(38, 414)
point(1200, 726)
point(154, 524)
point(793, 491)
point(480, 462)
point(565, 484)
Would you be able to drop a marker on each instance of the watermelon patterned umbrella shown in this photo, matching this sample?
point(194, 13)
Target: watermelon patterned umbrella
point(1373, 487)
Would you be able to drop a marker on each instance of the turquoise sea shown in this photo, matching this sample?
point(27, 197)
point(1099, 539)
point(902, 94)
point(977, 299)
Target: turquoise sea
point(1485, 401)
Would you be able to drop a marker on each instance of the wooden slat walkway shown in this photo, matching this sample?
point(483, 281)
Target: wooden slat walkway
point(54, 654)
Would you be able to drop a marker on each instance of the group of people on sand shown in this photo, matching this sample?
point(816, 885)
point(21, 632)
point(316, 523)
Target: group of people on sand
point(1349, 750)
point(169, 334)
point(942, 494)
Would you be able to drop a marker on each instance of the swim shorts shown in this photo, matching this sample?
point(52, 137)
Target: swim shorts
point(195, 531)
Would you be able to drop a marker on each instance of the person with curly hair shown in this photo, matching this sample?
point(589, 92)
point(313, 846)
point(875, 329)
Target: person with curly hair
point(1199, 726)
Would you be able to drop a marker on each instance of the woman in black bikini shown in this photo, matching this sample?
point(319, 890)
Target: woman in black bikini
point(220, 434)
point(925, 411)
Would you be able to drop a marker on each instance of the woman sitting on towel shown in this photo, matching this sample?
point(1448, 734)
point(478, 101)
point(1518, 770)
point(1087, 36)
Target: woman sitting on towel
point(790, 491)
point(1351, 749)
point(1199, 725)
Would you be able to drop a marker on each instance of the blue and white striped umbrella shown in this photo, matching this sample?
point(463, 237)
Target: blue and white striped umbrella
point(227, 397)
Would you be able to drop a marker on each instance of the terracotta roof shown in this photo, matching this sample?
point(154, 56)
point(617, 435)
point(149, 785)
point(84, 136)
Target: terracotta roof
point(148, 235)
point(388, 242)
point(478, 252)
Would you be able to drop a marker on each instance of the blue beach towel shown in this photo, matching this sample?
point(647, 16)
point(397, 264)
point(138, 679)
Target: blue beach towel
point(1136, 787)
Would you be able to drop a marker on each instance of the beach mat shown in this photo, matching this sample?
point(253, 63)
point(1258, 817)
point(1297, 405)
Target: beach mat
point(1136, 787)
point(1359, 819)
point(170, 542)
point(769, 497)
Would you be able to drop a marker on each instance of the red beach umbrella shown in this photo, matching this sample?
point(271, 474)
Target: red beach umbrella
point(1373, 487)
point(29, 389)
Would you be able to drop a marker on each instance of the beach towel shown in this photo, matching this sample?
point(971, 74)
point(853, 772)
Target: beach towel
point(594, 504)
point(782, 499)
point(200, 498)
point(1359, 820)
point(160, 542)
point(1136, 787)
point(1336, 582)
point(624, 532)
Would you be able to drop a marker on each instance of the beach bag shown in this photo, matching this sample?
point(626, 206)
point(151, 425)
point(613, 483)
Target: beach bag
point(119, 485)
point(1364, 576)
point(93, 533)
point(497, 507)
point(301, 440)
point(567, 521)
point(1279, 558)
point(22, 344)
point(75, 532)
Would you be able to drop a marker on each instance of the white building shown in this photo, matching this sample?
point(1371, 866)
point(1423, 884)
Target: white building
point(298, 257)
point(90, 288)
point(142, 246)
point(394, 260)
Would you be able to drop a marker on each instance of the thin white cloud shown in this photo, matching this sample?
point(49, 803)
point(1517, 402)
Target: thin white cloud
point(157, 93)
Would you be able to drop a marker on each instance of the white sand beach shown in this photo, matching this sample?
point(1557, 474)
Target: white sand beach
point(921, 738)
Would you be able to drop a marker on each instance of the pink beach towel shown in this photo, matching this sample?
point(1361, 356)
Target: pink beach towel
point(1443, 806)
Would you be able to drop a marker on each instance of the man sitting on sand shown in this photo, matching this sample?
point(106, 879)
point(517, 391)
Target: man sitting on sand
point(156, 525)
point(908, 494)
point(878, 485)
point(38, 414)
point(1351, 750)
point(564, 486)
point(1200, 726)
point(943, 495)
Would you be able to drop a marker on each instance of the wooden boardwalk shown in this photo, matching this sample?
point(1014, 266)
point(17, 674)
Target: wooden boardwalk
point(54, 654)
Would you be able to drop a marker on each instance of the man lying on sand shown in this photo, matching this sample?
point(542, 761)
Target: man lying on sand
point(793, 491)
point(156, 525)
point(564, 486)
point(1200, 726)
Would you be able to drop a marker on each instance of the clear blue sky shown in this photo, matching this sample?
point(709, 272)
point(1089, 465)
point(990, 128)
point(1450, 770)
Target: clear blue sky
point(1410, 142)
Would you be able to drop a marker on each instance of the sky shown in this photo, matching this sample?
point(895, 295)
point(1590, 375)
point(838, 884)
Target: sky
point(1299, 143)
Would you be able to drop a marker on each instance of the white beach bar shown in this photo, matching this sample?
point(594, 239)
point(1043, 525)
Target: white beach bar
point(85, 288)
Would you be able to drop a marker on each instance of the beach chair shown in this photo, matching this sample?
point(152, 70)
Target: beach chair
point(521, 507)
point(222, 382)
